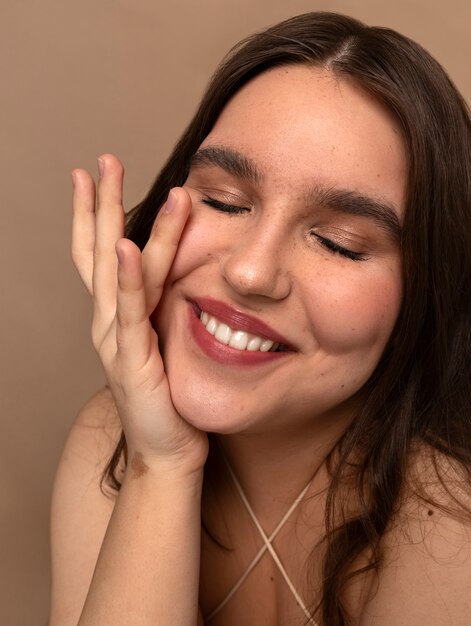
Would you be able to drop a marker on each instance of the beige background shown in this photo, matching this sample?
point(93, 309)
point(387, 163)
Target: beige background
point(79, 79)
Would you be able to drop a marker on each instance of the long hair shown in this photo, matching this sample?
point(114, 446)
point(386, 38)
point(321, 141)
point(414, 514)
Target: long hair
point(420, 391)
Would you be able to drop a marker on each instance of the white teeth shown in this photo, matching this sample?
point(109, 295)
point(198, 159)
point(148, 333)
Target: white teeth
point(254, 344)
point(238, 339)
point(266, 345)
point(223, 334)
point(211, 326)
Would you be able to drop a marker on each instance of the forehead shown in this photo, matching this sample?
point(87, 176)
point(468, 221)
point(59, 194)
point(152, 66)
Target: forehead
point(303, 125)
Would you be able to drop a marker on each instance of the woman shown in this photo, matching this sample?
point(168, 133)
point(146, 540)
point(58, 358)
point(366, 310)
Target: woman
point(304, 296)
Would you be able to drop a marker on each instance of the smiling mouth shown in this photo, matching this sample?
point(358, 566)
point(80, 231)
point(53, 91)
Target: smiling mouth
point(238, 339)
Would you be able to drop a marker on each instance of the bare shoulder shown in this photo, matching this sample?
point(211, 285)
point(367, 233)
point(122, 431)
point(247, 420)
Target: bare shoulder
point(99, 411)
point(91, 440)
point(426, 574)
point(81, 509)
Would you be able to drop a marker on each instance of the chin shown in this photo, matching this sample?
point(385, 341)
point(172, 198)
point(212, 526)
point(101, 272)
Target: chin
point(209, 411)
point(207, 418)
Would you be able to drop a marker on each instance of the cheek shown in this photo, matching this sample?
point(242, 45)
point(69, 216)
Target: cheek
point(194, 248)
point(356, 313)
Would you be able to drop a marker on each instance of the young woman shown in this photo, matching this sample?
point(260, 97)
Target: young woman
point(296, 284)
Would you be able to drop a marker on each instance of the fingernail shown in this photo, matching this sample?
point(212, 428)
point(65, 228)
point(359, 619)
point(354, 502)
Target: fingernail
point(73, 179)
point(101, 166)
point(171, 202)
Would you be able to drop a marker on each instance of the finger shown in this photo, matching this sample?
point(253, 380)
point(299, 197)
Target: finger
point(109, 228)
point(161, 248)
point(83, 225)
point(134, 334)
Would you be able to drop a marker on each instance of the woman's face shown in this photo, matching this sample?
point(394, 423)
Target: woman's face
point(297, 193)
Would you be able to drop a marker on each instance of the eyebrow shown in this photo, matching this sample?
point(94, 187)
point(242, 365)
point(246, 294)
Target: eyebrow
point(229, 160)
point(357, 204)
point(341, 200)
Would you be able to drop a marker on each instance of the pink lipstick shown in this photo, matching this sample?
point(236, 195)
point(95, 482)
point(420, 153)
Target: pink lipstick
point(237, 320)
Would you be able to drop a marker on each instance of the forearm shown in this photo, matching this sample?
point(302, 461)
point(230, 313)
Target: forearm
point(148, 568)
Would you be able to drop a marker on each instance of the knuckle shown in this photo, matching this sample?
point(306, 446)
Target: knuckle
point(124, 322)
point(79, 257)
point(97, 339)
point(102, 253)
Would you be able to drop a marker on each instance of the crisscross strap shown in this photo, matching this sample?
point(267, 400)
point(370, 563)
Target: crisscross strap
point(267, 541)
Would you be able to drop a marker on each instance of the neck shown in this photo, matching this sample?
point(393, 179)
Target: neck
point(274, 466)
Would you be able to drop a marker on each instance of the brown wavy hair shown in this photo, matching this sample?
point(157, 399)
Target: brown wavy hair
point(420, 393)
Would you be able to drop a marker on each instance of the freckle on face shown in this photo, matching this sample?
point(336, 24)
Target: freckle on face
point(328, 292)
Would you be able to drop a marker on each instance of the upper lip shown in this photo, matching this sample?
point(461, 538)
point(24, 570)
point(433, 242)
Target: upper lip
point(239, 320)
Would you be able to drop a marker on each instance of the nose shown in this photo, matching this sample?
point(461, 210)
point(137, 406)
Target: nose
point(254, 264)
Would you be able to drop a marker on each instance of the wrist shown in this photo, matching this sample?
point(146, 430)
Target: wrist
point(178, 466)
point(185, 457)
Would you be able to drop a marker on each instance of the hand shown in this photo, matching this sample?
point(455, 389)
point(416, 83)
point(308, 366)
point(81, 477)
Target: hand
point(111, 269)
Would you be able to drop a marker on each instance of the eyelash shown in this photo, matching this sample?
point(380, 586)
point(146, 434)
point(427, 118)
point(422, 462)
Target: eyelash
point(222, 206)
point(333, 247)
point(336, 249)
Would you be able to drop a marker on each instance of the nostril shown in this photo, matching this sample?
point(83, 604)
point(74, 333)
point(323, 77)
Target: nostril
point(252, 276)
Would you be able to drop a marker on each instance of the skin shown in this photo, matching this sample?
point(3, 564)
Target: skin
point(276, 423)
point(338, 312)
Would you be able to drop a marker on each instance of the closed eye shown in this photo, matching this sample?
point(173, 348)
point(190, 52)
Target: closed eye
point(326, 243)
point(336, 249)
point(223, 206)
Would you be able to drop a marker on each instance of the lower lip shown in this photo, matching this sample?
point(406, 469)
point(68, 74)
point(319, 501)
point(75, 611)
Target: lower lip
point(225, 354)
